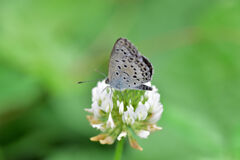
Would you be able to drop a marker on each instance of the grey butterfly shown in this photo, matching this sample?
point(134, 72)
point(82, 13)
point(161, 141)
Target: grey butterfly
point(128, 69)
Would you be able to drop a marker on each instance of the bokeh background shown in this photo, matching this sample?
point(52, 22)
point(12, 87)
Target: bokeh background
point(47, 46)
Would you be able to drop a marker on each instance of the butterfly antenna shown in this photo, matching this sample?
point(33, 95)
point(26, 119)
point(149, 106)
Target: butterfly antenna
point(103, 74)
point(80, 82)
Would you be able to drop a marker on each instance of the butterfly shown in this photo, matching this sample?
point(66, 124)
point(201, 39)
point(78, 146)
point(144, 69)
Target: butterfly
point(128, 69)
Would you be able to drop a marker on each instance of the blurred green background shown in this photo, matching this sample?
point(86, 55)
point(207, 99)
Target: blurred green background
point(47, 46)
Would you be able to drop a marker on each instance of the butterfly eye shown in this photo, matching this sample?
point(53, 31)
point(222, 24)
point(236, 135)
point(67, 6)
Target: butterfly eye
point(107, 81)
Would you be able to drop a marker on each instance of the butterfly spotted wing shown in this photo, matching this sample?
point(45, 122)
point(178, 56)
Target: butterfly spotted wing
point(128, 69)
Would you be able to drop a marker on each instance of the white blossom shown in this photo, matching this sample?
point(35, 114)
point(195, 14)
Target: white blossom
point(121, 107)
point(143, 133)
point(96, 109)
point(121, 135)
point(110, 123)
point(98, 126)
point(101, 99)
point(156, 115)
point(100, 91)
point(109, 114)
point(106, 105)
point(141, 112)
point(128, 116)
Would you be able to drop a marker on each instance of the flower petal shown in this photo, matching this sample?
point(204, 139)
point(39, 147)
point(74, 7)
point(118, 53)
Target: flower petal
point(121, 107)
point(122, 134)
point(107, 140)
point(98, 126)
point(156, 115)
point(134, 144)
point(141, 112)
point(128, 116)
point(106, 105)
point(98, 137)
point(153, 127)
point(110, 123)
point(143, 133)
point(90, 110)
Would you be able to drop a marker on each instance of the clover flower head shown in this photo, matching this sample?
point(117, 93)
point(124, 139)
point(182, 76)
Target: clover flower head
point(127, 113)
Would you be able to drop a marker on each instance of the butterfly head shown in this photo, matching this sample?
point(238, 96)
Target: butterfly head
point(107, 81)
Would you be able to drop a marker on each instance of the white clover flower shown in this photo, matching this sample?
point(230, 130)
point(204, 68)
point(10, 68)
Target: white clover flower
point(118, 113)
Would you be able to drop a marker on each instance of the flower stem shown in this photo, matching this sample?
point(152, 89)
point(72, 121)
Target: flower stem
point(119, 149)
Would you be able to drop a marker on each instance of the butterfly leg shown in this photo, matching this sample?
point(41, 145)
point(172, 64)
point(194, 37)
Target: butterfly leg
point(111, 94)
point(110, 90)
point(105, 89)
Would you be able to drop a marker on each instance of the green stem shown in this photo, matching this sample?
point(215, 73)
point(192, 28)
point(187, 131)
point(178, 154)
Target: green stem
point(119, 149)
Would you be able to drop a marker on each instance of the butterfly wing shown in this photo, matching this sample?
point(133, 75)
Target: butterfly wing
point(127, 67)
